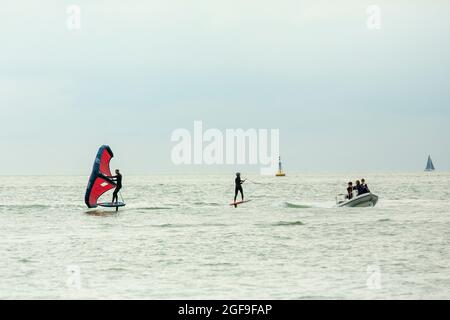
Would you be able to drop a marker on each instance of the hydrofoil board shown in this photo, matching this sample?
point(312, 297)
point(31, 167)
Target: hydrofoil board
point(111, 204)
point(239, 202)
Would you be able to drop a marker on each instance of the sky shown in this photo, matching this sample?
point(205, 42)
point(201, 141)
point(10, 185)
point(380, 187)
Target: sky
point(344, 97)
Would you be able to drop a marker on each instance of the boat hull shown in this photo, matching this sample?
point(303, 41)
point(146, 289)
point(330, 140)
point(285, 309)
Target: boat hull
point(364, 200)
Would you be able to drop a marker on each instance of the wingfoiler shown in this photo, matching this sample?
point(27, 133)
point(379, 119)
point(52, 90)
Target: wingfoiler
point(100, 181)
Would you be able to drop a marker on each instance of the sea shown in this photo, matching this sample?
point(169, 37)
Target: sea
point(178, 238)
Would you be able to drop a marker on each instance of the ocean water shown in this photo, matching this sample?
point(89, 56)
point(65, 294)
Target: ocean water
point(178, 238)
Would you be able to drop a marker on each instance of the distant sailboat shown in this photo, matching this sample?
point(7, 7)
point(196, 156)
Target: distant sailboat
point(430, 165)
point(280, 172)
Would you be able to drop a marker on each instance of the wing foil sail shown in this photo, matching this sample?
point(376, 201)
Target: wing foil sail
point(99, 183)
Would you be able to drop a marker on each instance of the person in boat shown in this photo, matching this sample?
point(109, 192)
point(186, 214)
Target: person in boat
point(358, 188)
point(364, 186)
point(118, 179)
point(238, 186)
point(350, 190)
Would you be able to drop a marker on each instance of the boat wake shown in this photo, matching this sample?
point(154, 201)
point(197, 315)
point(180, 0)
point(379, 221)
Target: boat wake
point(325, 205)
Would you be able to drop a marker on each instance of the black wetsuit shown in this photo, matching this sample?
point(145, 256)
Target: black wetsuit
point(238, 188)
point(365, 188)
point(118, 179)
point(350, 192)
point(359, 188)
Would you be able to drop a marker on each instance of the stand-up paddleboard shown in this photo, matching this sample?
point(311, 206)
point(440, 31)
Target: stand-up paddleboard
point(239, 202)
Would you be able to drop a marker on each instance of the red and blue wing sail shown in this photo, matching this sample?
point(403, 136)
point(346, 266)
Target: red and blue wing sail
point(99, 182)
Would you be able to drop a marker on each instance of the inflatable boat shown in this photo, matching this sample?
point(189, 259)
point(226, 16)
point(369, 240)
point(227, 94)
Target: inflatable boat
point(364, 200)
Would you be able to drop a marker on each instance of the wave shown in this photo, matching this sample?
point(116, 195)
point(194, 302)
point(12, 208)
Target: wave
point(288, 223)
point(181, 225)
point(21, 206)
point(281, 224)
point(172, 225)
point(115, 269)
point(218, 264)
point(215, 204)
point(152, 208)
point(213, 225)
point(294, 205)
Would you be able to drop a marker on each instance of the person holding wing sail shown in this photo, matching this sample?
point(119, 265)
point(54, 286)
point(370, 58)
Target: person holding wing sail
point(118, 179)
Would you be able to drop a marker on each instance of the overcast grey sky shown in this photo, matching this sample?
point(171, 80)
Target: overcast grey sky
point(344, 97)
